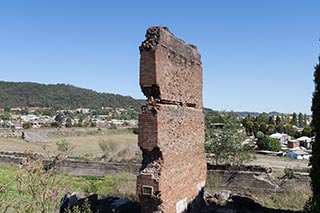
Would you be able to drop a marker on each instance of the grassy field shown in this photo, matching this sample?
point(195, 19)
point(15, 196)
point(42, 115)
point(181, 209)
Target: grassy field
point(84, 144)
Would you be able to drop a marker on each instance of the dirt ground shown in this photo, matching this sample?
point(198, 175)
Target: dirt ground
point(278, 162)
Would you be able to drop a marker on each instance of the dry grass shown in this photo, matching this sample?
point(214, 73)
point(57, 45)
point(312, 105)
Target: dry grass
point(293, 198)
point(84, 144)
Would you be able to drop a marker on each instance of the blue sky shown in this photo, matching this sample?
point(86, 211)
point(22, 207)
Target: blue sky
point(256, 55)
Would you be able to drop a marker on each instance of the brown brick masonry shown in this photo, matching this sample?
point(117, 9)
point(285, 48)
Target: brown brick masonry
point(171, 125)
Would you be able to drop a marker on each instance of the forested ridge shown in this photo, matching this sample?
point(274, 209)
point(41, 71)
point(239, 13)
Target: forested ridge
point(59, 96)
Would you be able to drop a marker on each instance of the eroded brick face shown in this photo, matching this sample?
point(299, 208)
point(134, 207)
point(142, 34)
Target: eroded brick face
point(171, 125)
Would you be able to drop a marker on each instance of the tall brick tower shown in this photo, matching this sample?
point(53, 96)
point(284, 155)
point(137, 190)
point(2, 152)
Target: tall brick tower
point(171, 125)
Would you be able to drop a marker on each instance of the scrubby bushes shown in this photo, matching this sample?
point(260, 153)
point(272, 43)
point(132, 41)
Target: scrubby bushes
point(264, 142)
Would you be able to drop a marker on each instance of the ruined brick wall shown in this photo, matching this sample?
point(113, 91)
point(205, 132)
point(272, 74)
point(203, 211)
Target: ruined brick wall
point(171, 125)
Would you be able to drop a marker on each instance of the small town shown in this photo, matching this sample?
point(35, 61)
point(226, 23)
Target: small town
point(37, 117)
point(17, 118)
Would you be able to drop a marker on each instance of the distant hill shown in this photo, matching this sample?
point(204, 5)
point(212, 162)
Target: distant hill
point(59, 96)
point(245, 113)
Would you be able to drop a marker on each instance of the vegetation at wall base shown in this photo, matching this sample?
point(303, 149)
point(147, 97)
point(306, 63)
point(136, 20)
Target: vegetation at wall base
point(314, 203)
point(37, 186)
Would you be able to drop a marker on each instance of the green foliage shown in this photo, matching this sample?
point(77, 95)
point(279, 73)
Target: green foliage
point(225, 145)
point(292, 198)
point(294, 120)
point(278, 120)
point(6, 116)
point(37, 188)
point(301, 123)
point(64, 146)
point(60, 96)
point(260, 134)
point(4, 204)
point(266, 143)
point(268, 125)
point(135, 130)
point(68, 122)
point(114, 151)
point(13, 181)
point(226, 148)
point(230, 121)
point(314, 203)
point(109, 148)
point(26, 125)
point(307, 131)
point(59, 118)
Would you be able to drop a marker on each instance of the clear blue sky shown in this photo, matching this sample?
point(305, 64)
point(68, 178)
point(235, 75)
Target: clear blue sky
point(256, 55)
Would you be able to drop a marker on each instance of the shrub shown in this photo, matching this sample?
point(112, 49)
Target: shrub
point(267, 143)
point(227, 148)
point(109, 149)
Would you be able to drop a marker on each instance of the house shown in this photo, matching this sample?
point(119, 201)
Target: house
point(293, 144)
point(83, 110)
point(218, 125)
point(16, 109)
point(33, 109)
point(17, 124)
point(283, 138)
point(305, 142)
point(116, 122)
point(299, 154)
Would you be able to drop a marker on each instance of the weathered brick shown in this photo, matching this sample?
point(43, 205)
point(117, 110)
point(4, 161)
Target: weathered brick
point(170, 69)
point(171, 125)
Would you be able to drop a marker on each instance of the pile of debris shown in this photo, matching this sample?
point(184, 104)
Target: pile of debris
point(72, 202)
point(227, 202)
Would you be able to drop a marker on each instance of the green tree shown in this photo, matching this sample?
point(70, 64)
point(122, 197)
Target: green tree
point(314, 202)
point(58, 118)
point(260, 134)
point(294, 120)
point(247, 123)
point(6, 116)
point(263, 117)
point(263, 127)
point(271, 129)
point(271, 121)
point(280, 128)
point(288, 129)
point(300, 120)
point(226, 148)
point(68, 122)
point(266, 143)
point(26, 125)
point(249, 127)
point(305, 119)
point(307, 131)
point(278, 120)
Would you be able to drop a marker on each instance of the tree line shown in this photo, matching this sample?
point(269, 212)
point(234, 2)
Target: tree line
point(290, 124)
point(59, 96)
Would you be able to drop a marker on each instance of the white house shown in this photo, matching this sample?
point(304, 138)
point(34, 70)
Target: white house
point(305, 142)
point(283, 138)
